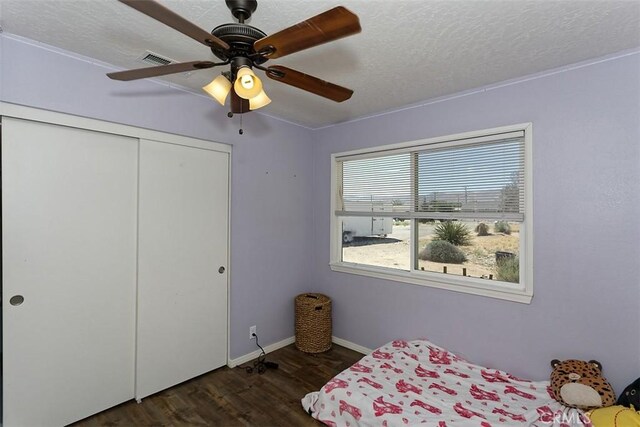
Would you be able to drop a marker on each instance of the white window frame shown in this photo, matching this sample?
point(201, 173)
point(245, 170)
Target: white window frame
point(521, 292)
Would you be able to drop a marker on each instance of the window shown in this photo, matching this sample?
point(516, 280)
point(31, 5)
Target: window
point(452, 212)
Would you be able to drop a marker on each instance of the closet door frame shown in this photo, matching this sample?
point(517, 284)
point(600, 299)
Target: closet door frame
point(63, 119)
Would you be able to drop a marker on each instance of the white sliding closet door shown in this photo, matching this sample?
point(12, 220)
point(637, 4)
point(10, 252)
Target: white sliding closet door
point(69, 246)
point(183, 243)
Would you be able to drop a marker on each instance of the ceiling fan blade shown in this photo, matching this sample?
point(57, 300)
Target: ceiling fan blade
point(160, 70)
point(309, 83)
point(168, 17)
point(328, 26)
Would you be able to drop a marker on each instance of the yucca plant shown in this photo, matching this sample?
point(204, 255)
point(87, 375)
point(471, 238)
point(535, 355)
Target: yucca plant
point(455, 233)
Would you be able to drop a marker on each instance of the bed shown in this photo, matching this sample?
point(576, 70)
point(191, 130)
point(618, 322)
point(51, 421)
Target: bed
point(417, 382)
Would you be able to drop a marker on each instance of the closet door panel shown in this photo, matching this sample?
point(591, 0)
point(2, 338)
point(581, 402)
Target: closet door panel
point(69, 248)
point(183, 235)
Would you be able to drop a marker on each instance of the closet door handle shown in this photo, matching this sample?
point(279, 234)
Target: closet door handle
point(16, 300)
point(221, 269)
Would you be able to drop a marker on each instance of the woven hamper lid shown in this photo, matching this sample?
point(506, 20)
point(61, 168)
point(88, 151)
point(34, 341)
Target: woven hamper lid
point(312, 299)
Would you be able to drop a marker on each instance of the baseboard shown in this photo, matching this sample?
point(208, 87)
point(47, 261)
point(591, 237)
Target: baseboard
point(232, 363)
point(285, 342)
point(350, 345)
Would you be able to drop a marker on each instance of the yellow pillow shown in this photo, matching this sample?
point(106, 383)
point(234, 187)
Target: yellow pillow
point(614, 416)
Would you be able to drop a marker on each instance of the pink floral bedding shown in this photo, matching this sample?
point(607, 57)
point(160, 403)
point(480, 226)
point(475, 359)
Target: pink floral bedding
point(417, 382)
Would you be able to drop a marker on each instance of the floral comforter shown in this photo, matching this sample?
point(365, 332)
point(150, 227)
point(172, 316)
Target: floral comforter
point(416, 382)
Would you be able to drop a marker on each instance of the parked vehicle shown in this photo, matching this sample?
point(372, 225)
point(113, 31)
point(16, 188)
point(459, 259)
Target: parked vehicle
point(365, 226)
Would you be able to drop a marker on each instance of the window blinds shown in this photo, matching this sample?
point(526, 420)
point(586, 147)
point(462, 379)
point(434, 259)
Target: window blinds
point(477, 178)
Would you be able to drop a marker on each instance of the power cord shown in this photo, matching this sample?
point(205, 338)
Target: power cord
point(260, 365)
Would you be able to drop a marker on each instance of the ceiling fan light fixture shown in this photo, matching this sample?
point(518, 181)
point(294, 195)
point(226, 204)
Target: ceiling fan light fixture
point(219, 89)
point(259, 101)
point(247, 84)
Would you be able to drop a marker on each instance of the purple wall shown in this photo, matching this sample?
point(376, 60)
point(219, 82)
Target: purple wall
point(271, 172)
point(586, 136)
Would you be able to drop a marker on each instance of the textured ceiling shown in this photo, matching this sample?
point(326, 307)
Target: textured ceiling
point(409, 50)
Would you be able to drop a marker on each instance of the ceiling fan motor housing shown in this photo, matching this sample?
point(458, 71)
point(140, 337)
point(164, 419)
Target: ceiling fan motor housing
point(240, 38)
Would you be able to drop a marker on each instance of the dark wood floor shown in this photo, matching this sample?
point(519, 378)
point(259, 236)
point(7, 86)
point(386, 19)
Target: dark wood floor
point(231, 397)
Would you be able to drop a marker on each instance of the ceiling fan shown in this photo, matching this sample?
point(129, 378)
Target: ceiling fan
point(244, 47)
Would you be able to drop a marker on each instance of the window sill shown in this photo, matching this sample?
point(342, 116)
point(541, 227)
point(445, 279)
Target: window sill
point(435, 280)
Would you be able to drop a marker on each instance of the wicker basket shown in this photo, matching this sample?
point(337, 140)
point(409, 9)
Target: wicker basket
point(313, 323)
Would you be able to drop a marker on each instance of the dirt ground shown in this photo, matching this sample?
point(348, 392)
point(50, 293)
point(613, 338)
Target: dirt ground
point(394, 250)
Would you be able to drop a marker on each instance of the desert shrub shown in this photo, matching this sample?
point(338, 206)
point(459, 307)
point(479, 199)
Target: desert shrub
point(482, 229)
point(455, 233)
point(502, 227)
point(508, 270)
point(442, 251)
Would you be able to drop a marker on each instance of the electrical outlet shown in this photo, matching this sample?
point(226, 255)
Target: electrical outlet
point(252, 331)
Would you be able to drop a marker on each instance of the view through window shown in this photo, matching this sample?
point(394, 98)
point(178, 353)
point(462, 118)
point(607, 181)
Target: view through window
point(453, 208)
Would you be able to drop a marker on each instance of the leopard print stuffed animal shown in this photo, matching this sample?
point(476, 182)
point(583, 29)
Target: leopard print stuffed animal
point(580, 384)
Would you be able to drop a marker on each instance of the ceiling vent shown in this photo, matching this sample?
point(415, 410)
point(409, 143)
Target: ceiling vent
point(155, 59)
